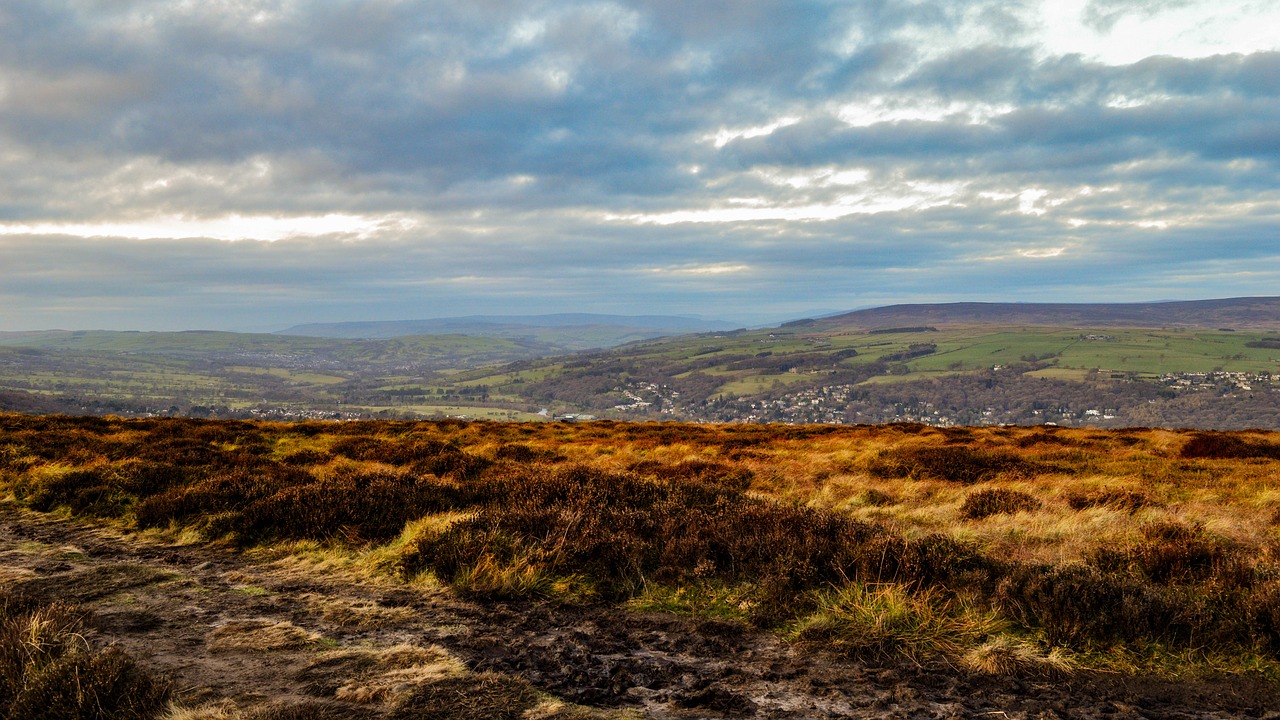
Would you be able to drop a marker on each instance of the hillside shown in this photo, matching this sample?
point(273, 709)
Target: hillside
point(568, 332)
point(1247, 312)
point(941, 365)
point(943, 375)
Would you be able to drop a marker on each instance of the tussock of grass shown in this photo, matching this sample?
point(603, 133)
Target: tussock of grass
point(259, 636)
point(733, 603)
point(48, 669)
point(995, 501)
point(203, 712)
point(1130, 501)
point(365, 615)
point(1009, 656)
point(385, 675)
point(482, 696)
point(514, 576)
point(888, 622)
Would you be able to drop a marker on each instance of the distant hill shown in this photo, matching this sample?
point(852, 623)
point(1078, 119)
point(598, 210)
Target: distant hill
point(1246, 312)
point(565, 331)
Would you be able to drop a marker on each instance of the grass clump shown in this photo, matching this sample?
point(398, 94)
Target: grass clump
point(996, 501)
point(479, 696)
point(260, 636)
point(48, 670)
point(882, 622)
point(1130, 501)
point(1005, 655)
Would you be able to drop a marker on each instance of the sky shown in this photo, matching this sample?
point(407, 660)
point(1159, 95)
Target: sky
point(247, 165)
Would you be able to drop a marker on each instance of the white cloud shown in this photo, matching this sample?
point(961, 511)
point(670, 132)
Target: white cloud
point(724, 136)
point(229, 228)
point(1187, 30)
point(710, 269)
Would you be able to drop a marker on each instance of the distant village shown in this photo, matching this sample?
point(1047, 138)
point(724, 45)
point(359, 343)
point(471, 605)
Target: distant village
point(861, 404)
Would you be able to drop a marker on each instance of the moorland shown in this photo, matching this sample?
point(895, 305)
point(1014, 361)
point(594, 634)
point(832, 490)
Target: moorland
point(188, 568)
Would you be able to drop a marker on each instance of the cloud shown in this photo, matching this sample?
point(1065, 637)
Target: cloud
point(410, 158)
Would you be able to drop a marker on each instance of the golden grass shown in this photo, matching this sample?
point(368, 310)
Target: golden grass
point(1093, 491)
point(389, 674)
point(886, 621)
point(1005, 655)
point(218, 711)
point(260, 636)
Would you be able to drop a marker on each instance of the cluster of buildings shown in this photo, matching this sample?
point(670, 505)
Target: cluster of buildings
point(649, 397)
point(1221, 381)
point(281, 413)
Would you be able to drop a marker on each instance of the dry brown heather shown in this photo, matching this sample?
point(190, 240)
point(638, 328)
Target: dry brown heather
point(1004, 549)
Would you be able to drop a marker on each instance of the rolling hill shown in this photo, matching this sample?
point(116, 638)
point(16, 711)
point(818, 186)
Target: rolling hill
point(1245, 312)
point(1209, 364)
point(566, 332)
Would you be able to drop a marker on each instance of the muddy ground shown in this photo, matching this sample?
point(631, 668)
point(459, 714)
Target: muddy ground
point(243, 631)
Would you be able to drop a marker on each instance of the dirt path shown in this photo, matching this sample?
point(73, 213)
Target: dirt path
point(246, 630)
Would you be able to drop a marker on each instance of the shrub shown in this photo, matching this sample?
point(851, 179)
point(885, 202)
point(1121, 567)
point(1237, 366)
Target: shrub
point(1223, 446)
point(303, 458)
point(99, 490)
point(86, 491)
point(1076, 604)
point(623, 531)
point(424, 456)
point(996, 501)
point(1174, 551)
point(954, 463)
point(1264, 616)
point(352, 505)
point(702, 471)
point(516, 453)
point(878, 498)
point(222, 492)
point(184, 451)
point(277, 501)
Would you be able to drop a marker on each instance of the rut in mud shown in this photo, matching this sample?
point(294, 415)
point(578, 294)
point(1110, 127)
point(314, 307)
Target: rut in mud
point(248, 631)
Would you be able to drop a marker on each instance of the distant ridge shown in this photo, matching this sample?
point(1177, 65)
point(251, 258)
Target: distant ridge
point(1244, 312)
point(506, 326)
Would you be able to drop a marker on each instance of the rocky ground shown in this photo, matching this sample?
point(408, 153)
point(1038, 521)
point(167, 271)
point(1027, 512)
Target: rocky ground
point(243, 631)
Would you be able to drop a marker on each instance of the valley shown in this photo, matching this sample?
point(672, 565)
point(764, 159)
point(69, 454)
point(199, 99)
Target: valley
point(831, 370)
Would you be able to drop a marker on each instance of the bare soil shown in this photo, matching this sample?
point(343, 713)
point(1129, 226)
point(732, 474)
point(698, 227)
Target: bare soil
point(246, 631)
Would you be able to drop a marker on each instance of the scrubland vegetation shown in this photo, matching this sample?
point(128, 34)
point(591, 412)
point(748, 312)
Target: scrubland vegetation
point(1010, 549)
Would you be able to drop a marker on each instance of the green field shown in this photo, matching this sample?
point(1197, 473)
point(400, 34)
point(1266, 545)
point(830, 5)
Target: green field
point(432, 375)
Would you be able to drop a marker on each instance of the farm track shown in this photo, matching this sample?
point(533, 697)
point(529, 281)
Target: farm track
point(172, 607)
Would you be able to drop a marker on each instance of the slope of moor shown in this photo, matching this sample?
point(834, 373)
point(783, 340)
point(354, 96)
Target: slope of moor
point(403, 569)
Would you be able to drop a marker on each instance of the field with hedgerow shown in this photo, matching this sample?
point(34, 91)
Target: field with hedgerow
point(1048, 558)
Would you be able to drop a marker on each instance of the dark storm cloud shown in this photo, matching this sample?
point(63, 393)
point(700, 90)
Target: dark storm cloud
point(636, 156)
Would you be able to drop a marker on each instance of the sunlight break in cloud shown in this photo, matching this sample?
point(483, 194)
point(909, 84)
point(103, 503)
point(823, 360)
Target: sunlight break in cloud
point(1043, 252)
point(230, 228)
point(724, 136)
point(712, 269)
point(1187, 30)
